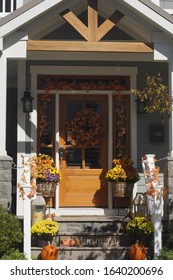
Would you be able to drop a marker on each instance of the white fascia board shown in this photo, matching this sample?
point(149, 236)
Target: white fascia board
point(15, 45)
point(27, 16)
point(151, 14)
point(17, 50)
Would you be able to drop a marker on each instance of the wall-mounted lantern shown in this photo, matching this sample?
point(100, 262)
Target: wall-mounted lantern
point(27, 102)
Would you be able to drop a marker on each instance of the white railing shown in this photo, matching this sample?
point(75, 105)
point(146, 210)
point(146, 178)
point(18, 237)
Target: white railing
point(8, 6)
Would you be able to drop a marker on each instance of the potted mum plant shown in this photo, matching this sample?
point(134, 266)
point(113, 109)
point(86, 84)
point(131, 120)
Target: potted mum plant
point(141, 229)
point(117, 176)
point(123, 175)
point(43, 231)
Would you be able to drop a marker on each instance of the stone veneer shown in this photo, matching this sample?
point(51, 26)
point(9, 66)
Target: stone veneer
point(168, 182)
point(5, 181)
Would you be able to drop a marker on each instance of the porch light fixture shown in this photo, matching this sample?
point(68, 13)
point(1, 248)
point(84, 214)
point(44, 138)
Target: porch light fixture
point(27, 102)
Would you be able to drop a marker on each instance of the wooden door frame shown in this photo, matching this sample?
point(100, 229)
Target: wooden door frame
point(85, 70)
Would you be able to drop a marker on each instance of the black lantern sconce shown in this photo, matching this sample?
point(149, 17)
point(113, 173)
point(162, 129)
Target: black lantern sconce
point(27, 102)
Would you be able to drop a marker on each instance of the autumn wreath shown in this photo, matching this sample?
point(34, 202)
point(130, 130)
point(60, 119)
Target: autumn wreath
point(85, 129)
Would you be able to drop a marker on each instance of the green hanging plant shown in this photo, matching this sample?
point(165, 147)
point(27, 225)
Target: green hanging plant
point(155, 95)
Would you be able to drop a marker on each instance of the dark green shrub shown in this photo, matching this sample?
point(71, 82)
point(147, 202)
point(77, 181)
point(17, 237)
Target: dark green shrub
point(10, 231)
point(14, 254)
point(166, 254)
point(167, 239)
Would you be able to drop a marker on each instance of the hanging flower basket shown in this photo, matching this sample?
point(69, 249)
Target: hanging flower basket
point(47, 188)
point(119, 189)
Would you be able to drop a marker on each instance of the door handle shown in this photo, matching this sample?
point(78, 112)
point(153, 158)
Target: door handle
point(61, 155)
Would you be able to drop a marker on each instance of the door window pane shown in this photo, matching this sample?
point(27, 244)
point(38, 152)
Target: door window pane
point(72, 108)
point(74, 157)
point(92, 158)
point(96, 106)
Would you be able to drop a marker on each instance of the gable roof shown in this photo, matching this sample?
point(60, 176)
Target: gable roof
point(25, 14)
point(151, 15)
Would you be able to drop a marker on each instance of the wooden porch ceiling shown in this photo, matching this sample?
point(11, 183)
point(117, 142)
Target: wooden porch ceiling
point(92, 35)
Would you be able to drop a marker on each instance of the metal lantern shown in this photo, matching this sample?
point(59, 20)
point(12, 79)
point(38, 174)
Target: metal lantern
point(38, 209)
point(140, 204)
point(27, 102)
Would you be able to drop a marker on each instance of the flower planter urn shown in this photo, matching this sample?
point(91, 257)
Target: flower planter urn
point(119, 189)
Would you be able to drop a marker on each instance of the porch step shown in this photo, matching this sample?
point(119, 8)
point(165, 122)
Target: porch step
point(86, 239)
point(96, 237)
point(88, 253)
point(90, 224)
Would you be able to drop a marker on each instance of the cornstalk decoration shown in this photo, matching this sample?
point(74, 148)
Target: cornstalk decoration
point(155, 194)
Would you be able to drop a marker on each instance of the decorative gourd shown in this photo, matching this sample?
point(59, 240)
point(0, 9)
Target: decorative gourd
point(70, 242)
point(49, 252)
point(137, 251)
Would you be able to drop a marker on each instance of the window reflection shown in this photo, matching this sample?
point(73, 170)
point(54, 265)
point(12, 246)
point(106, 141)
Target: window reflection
point(92, 157)
point(74, 157)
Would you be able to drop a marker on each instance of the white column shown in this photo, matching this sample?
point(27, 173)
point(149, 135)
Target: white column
point(157, 223)
point(57, 148)
point(3, 103)
point(27, 211)
point(110, 151)
point(20, 128)
point(170, 75)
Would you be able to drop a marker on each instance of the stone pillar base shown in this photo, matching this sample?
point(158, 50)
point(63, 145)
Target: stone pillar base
point(5, 181)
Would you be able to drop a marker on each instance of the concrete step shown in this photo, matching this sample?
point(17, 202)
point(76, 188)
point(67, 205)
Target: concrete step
point(99, 239)
point(90, 224)
point(88, 253)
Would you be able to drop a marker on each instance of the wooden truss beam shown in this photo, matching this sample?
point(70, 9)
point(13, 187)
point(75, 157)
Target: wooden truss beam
point(74, 21)
point(92, 33)
point(80, 46)
point(108, 24)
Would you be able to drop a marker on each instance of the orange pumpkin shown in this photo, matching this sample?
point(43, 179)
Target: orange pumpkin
point(137, 251)
point(49, 252)
point(70, 242)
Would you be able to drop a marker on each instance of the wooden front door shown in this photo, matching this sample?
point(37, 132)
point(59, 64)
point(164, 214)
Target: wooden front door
point(83, 167)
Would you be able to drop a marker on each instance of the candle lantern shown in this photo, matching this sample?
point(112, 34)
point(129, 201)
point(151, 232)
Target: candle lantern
point(38, 209)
